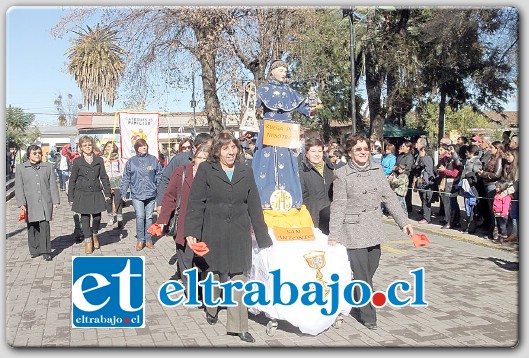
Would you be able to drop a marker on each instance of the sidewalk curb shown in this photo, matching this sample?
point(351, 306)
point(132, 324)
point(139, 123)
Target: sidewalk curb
point(456, 236)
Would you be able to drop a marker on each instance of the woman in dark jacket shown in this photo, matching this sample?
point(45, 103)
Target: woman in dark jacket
point(84, 191)
point(491, 173)
point(222, 208)
point(316, 175)
point(170, 201)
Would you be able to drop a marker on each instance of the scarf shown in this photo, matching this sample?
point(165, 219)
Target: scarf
point(319, 167)
point(89, 158)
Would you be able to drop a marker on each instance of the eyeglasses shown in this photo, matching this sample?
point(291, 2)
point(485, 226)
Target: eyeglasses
point(36, 153)
point(358, 150)
point(185, 147)
point(87, 145)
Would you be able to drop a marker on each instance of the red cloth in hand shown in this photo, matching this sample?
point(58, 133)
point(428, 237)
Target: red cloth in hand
point(23, 215)
point(200, 248)
point(420, 240)
point(155, 230)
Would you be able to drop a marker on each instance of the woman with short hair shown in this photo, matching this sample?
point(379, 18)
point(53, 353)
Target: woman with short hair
point(316, 175)
point(222, 209)
point(36, 193)
point(359, 188)
point(142, 175)
point(87, 181)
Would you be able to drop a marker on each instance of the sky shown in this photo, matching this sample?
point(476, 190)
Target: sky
point(36, 71)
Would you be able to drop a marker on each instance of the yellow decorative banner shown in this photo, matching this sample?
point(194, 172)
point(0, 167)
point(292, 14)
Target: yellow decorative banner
point(294, 233)
point(281, 134)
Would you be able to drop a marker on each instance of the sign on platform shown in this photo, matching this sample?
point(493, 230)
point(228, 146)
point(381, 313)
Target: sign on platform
point(281, 134)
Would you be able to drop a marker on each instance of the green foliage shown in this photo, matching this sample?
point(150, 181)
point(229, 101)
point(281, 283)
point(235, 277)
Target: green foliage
point(18, 131)
point(455, 121)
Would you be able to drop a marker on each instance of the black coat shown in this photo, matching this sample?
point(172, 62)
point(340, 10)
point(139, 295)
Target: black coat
point(84, 187)
point(221, 214)
point(316, 190)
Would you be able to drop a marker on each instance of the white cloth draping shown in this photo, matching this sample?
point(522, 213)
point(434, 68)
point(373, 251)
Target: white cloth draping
point(288, 257)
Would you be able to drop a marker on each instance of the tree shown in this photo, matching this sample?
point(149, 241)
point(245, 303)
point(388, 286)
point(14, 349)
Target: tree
point(96, 63)
point(18, 132)
point(67, 109)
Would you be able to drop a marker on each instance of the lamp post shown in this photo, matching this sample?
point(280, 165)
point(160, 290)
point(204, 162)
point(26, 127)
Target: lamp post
point(350, 13)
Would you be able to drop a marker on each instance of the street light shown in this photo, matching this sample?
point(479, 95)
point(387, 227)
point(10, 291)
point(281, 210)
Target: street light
point(350, 13)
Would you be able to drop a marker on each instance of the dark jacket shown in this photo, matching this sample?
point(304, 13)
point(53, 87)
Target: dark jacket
point(221, 213)
point(170, 200)
point(316, 190)
point(492, 171)
point(84, 186)
point(36, 189)
point(356, 218)
point(142, 174)
point(406, 159)
point(180, 159)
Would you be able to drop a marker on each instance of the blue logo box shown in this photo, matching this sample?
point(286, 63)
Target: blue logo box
point(108, 292)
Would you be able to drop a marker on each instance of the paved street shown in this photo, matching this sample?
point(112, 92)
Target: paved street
point(472, 287)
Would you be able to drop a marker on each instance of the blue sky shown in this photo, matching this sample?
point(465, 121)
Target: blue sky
point(36, 68)
point(36, 71)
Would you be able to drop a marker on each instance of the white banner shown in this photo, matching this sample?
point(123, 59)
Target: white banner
point(136, 125)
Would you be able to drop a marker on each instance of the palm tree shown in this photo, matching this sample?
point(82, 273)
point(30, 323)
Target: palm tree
point(96, 64)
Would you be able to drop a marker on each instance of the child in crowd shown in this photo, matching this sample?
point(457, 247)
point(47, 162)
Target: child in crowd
point(500, 208)
point(399, 183)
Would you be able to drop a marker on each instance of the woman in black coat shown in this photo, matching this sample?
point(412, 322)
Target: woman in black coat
point(84, 191)
point(316, 174)
point(222, 208)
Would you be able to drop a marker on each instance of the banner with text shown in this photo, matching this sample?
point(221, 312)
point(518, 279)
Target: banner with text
point(136, 125)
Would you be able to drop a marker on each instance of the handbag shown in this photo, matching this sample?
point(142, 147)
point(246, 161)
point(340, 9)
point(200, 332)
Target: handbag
point(173, 221)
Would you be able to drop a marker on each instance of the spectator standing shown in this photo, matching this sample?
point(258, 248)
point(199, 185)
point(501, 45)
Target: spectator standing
point(461, 148)
point(184, 253)
point(510, 173)
point(491, 173)
point(142, 175)
point(337, 157)
point(506, 139)
point(470, 172)
point(316, 175)
point(377, 153)
point(406, 158)
point(222, 209)
point(36, 193)
point(359, 188)
point(399, 184)
point(448, 172)
point(87, 183)
point(500, 208)
point(389, 160)
point(114, 167)
point(513, 144)
point(426, 183)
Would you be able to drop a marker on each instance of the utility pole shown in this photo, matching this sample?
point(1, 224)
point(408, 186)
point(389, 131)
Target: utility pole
point(193, 102)
point(350, 12)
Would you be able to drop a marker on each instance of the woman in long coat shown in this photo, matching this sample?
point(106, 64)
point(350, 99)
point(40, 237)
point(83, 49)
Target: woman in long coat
point(36, 191)
point(175, 188)
point(222, 208)
point(85, 192)
point(359, 187)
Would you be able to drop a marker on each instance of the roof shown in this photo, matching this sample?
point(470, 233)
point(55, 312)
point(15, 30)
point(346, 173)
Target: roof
point(394, 131)
point(65, 131)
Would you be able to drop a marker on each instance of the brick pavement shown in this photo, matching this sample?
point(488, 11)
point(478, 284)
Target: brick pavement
point(472, 290)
